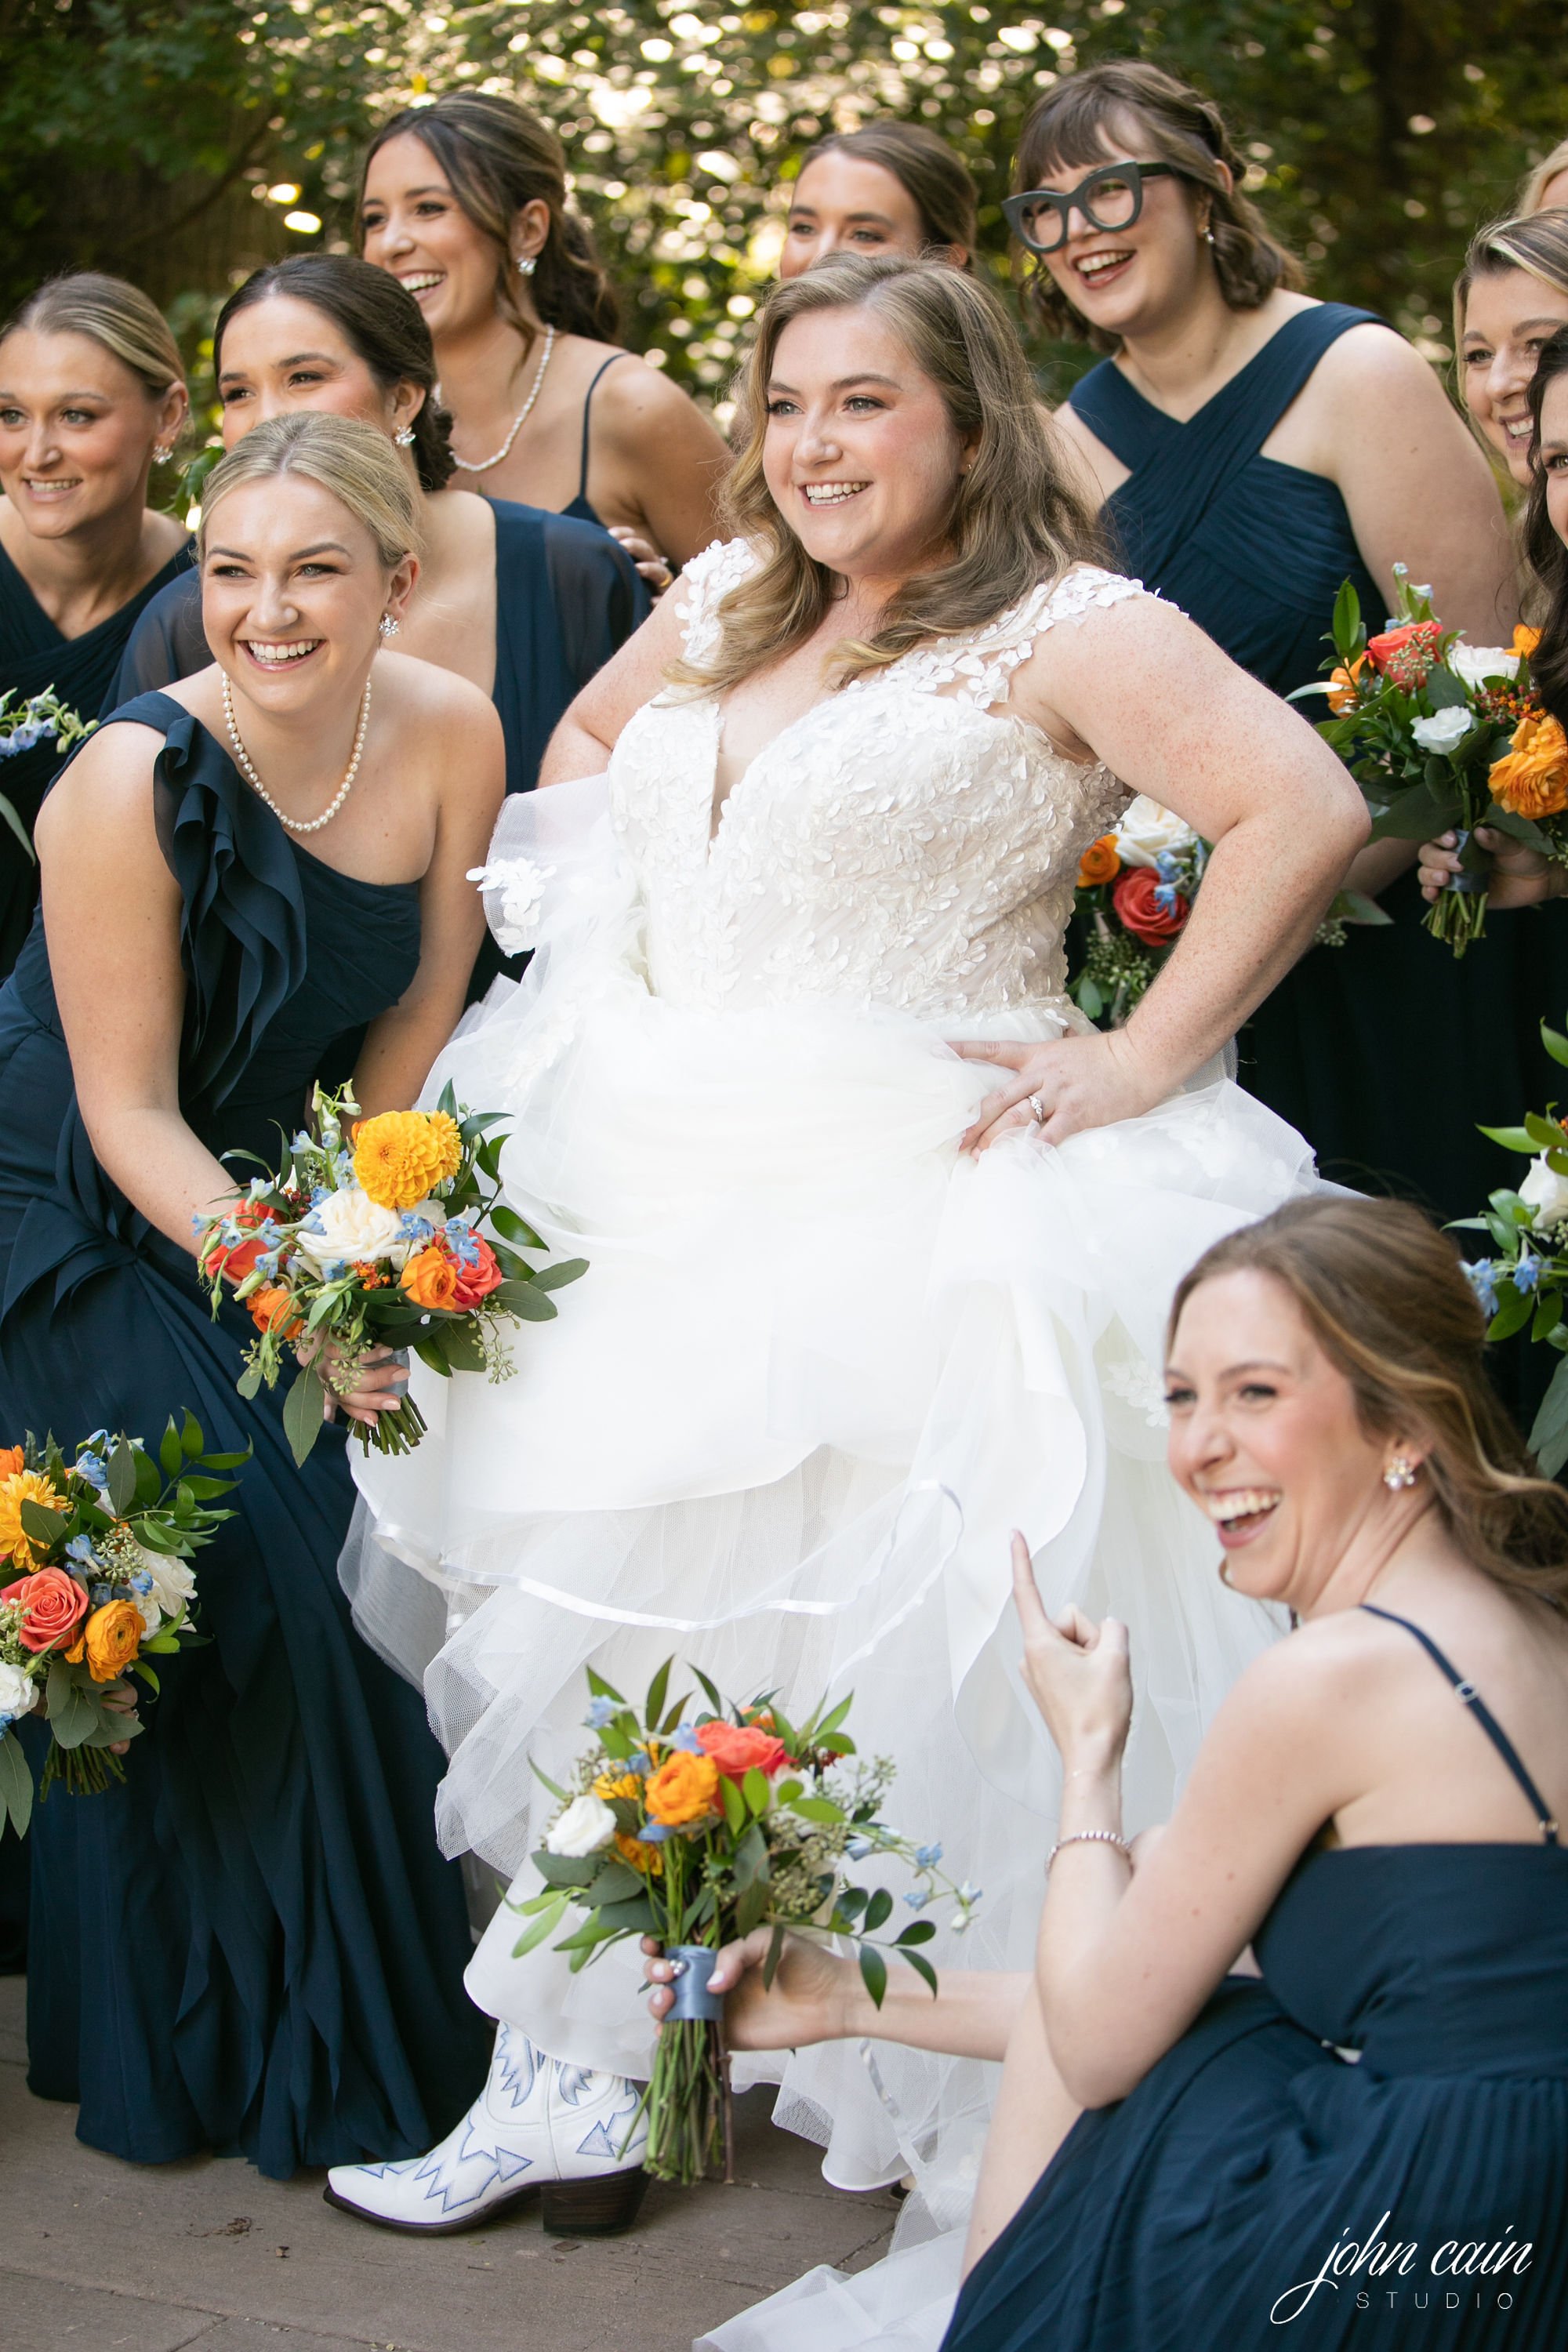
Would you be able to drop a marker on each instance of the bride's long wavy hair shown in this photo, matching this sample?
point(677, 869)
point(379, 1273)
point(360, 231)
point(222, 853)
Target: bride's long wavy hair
point(1016, 517)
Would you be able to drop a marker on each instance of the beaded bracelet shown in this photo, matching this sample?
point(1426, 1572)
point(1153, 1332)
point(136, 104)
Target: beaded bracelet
point(1091, 1837)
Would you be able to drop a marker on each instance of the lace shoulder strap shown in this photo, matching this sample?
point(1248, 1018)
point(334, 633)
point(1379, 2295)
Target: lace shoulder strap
point(981, 666)
point(705, 582)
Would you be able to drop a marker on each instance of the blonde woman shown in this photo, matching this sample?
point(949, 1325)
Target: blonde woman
point(879, 1236)
point(1545, 189)
point(93, 396)
point(250, 881)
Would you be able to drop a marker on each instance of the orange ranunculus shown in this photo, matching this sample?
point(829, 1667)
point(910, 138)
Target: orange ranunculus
point(476, 1281)
point(12, 1459)
point(736, 1748)
point(401, 1156)
point(1342, 686)
point(1531, 779)
point(1525, 642)
point(112, 1637)
point(22, 1486)
point(1099, 863)
point(272, 1309)
point(431, 1277)
point(683, 1790)
point(1405, 656)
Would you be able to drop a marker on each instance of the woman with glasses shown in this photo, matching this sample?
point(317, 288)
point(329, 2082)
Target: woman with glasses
point(1254, 448)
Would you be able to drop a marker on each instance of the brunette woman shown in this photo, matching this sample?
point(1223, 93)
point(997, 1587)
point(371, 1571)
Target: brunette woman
point(888, 187)
point(91, 396)
point(465, 203)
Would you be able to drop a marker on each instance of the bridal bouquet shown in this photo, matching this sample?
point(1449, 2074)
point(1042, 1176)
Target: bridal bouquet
point(368, 1236)
point(697, 1833)
point(41, 716)
point(98, 1552)
point(1440, 734)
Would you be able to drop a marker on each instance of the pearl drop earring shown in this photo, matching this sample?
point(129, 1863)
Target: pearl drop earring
point(388, 625)
point(1400, 1472)
point(527, 263)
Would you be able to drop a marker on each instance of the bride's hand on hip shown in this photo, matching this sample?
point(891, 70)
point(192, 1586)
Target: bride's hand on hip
point(1076, 1671)
point(1059, 1088)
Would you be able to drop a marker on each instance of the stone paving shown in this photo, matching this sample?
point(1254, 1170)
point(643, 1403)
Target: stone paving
point(206, 2253)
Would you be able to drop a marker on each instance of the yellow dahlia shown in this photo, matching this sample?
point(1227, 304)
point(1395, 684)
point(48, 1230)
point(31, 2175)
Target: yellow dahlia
point(22, 1486)
point(402, 1156)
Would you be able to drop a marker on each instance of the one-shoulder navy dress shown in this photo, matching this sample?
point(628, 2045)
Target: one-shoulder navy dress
point(1385, 1053)
point(252, 1946)
point(1399, 2078)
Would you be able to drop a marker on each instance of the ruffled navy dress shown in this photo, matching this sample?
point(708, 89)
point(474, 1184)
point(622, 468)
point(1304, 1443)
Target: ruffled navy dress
point(252, 1947)
point(1399, 2077)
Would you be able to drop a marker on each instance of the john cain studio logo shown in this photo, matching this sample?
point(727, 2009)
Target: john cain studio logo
point(1458, 2273)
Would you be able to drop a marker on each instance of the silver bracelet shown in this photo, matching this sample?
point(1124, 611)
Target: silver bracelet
point(1091, 1837)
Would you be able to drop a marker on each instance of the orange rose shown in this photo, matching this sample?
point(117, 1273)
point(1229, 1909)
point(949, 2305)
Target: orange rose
point(476, 1281)
point(55, 1604)
point(1100, 863)
point(1342, 686)
point(1531, 779)
point(683, 1790)
point(1405, 656)
point(736, 1748)
point(113, 1636)
point(239, 1261)
point(272, 1309)
point(1525, 642)
point(431, 1278)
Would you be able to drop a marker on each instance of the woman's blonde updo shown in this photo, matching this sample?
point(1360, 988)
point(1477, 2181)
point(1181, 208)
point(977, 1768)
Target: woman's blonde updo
point(1385, 1296)
point(117, 317)
point(358, 464)
point(1072, 125)
point(498, 157)
point(1016, 518)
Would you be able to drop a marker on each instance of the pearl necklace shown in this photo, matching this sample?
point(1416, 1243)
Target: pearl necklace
point(518, 422)
point(243, 762)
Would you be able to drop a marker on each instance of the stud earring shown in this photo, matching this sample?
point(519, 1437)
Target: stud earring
point(1208, 236)
point(527, 263)
point(1400, 1472)
point(388, 625)
point(405, 439)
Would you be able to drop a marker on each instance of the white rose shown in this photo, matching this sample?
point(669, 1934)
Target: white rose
point(585, 1826)
point(173, 1585)
point(1445, 729)
point(1475, 664)
point(1546, 1192)
point(16, 1693)
point(351, 1225)
point(1148, 833)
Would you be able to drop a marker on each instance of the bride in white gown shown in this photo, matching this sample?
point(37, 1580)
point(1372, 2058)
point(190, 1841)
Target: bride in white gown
point(880, 1235)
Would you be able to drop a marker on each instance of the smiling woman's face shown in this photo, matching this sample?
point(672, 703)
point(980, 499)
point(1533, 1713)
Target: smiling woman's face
point(77, 429)
point(1509, 316)
point(281, 354)
point(412, 225)
point(1128, 281)
point(293, 588)
point(1266, 1439)
point(843, 203)
point(861, 457)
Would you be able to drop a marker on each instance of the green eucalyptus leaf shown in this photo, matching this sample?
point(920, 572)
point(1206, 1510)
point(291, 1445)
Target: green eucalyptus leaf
point(304, 1413)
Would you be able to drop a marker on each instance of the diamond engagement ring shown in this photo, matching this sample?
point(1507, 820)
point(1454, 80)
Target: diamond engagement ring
point(1039, 1109)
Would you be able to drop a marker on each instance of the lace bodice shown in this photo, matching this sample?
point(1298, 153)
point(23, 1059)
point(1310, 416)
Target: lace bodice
point(909, 842)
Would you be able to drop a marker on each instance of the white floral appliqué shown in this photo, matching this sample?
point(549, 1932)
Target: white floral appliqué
point(514, 894)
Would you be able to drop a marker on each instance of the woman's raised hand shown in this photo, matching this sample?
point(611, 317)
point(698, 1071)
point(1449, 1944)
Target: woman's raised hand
point(808, 2001)
point(1077, 1082)
point(1516, 877)
point(1076, 1671)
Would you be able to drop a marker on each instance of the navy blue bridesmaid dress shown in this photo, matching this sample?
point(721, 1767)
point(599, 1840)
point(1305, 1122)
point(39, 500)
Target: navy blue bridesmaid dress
point(252, 1946)
point(1385, 1053)
point(1399, 2077)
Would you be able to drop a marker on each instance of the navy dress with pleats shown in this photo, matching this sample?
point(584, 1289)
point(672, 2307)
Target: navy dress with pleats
point(252, 1946)
point(1385, 1053)
point(1399, 2077)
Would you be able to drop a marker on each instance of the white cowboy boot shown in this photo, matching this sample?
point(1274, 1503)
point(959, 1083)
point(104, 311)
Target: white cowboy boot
point(537, 2126)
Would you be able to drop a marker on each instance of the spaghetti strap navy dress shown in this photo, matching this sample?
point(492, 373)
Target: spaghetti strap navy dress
point(1398, 2079)
point(35, 658)
point(1385, 1053)
point(252, 1946)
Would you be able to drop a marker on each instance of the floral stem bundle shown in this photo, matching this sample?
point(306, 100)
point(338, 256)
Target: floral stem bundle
point(97, 1554)
point(1442, 736)
point(697, 1831)
point(368, 1236)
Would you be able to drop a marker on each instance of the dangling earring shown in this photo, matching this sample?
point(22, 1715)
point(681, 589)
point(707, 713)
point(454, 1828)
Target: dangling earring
point(1400, 1472)
point(405, 439)
point(1208, 236)
point(388, 625)
point(160, 455)
point(527, 263)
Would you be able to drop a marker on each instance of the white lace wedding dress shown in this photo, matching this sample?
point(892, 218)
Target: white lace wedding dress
point(820, 1365)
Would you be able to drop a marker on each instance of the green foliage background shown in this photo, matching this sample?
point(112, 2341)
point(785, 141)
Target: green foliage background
point(143, 136)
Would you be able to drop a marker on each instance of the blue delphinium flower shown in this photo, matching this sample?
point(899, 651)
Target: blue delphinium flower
point(1482, 1275)
point(969, 1895)
point(93, 1468)
point(600, 1712)
point(458, 1236)
point(1527, 1273)
point(926, 1856)
point(918, 1897)
point(686, 1739)
point(858, 1848)
point(80, 1549)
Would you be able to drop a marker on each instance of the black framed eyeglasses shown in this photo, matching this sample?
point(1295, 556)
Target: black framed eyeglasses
point(1109, 197)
